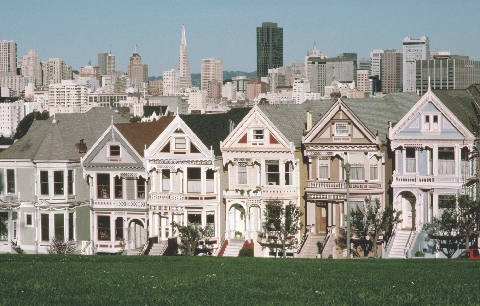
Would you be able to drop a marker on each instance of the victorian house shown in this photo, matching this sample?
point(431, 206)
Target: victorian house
point(432, 145)
point(43, 195)
point(350, 139)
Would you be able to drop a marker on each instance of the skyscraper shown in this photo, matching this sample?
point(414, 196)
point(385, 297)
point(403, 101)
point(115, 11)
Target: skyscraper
point(110, 64)
point(183, 64)
point(137, 70)
point(391, 70)
point(8, 57)
point(211, 71)
point(413, 50)
point(31, 66)
point(269, 48)
point(102, 63)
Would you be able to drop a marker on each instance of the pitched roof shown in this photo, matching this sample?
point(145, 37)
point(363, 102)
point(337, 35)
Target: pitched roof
point(463, 103)
point(290, 119)
point(375, 113)
point(143, 134)
point(213, 128)
point(46, 140)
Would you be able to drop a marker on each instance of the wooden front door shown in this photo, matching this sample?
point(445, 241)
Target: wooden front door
point(321, 217)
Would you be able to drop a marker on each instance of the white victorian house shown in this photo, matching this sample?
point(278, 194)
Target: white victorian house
point(432, 145)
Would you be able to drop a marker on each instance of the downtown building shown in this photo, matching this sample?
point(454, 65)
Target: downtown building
point(137, 71)
point(269, 48)
point(413, 50)
point(185, 78)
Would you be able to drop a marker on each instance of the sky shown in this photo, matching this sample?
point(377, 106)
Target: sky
point(78, 30)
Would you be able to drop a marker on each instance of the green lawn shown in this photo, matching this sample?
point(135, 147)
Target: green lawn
point(144, 280)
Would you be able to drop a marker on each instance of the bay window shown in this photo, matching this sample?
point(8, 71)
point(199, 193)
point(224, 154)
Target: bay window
point(373, 168)
point(70, 181)
point(446, 160)
point(357, 170)
point(411, 160)
point(59, 226)
point(44, 188)
point(323, 173)
point(103, 185)
point(194, 218)
point(210, 185)
point(194, 176)
point(58, 182)
point(103, 226)
point(10, 181)
point(141, 188)
point(119, 228)
point(165, 179)
point(118, 187)
point(272, 172)
point(45, 227)
point(288, 173)
point(242, 174)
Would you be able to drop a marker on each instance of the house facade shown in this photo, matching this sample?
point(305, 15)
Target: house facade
point(42, 192)
point(433, 144)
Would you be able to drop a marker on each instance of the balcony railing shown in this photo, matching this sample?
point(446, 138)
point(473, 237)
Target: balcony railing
point(121, 203)
point(424, 179)
point(9, 198)
point(342, 185)
point(179, 197)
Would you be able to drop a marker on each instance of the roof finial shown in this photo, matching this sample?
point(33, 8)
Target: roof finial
point(111, 127)
point(429, 87)
point(54, 118)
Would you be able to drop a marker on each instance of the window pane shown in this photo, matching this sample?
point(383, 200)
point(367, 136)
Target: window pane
point(3, 225)
point(194, 218)
point(58, 182)
point(141, 188)
point(71, 228)
point(180, 143)
point(29, 220)
point(44, 182)
point(258, 134)
point(103, 227)
point(103, 186)
point(341, 129)
point(118, 228)
point(323, 169)
point(70, 182)
point(272, 172)
point(288, 173)
point(165, 179)
point(242, 173)
point(118, 188)
point(45, 227)
point(10, 181)
point(114, 150)
point(59, 223)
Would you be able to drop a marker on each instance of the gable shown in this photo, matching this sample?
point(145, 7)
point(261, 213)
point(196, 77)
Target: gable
point(339, 125)
point(255, 132)
point(112, 149)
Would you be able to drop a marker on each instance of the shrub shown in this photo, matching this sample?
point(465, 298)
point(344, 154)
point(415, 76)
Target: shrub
point(419, 254)
point(61, 247)
point(244, 252)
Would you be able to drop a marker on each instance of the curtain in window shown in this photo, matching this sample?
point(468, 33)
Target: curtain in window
point(446, 167)
point(356, 160)
point(242, 173)
point(323, 169)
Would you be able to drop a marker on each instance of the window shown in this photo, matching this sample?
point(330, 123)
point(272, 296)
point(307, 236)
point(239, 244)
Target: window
point(28, 220)
point(341, 129)
point(70, 182)
point(103, 186)
point(465, 166)
point(373, 168)
point(71, 226)
point(446, 160)
point(103, 227)
point(272, 171)
point(165, 179)
point(44, 183)
point(58, 182)
point(119, 228)
point(118, 188)
point(323, 169)
point(288, 173)
point(210, 174)
point(180, 143)
point(114, 150)
point(10, 181)
point(45, 227)
point(194, 218)
point(194, 183)
point(430, 122)
point(357, 170)
point(242, 173)
point(426, 123)
point(446, 201)
point(435, 122)
point(211, 221)
point(59, 226)
point(258, 134)
point(141, 188)
point(411, 161)
point(3, 225)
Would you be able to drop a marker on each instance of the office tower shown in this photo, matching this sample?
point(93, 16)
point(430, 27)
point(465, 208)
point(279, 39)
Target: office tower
point(315, 69)
point(365, 64)
point(363, 81)
point(102, 63)
point(137, 71)
point(55, 70)
point(300, 88)
point(183, 64)
point(171, 82)
point(8, 57)
point(31, 66)
point(211, 70)
point(447, 72)
point(110, 64)
point(269, 48)
point(391, 71)
point(376, 58)
point(413, 50)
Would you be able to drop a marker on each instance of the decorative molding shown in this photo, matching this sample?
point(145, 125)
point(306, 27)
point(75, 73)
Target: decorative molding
point(57, 165)
point(343, 148)
point(129, 175)
point(181, 162)
point(14, 164)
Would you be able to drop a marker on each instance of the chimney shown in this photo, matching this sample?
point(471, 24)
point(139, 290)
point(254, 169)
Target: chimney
point(81, 146)
point(309, 121)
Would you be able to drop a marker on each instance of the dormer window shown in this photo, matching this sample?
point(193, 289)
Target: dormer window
point(430, 123)
point(180, 144)
point(258, 134)
point(341, 129)
point(114, 150)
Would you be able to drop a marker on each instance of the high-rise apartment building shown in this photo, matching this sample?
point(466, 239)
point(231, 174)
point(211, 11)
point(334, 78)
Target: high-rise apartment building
point(269, 48)
point(110, 64)
point(391, 73)
point(137, 71)
point(68, 96)
point(183, 65)
point(55, 70)
point(363, 81)
point(171, 83)
point(413, 50)
point(211, 70)
point(447, 72)
point(8, 57)
point(102, 63)
point(32, 66)
point(376, 58)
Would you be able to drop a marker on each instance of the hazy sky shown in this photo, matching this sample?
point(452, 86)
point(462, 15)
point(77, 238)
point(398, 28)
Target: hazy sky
point(78, 30)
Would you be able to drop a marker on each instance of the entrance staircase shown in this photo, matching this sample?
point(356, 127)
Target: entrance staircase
point(310, 248)
point(136, 251)
point(233, 247)
point(398, 245)
point(158, 248)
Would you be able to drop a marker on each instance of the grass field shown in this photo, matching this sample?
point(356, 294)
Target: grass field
point(144, 280)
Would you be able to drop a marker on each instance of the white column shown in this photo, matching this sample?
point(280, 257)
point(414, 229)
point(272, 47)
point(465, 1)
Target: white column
point(163, 221)
point(457, 156)
point(150, 223)
point(203, 180)
point(66, 224)
point(435, 160)
point(112, 228)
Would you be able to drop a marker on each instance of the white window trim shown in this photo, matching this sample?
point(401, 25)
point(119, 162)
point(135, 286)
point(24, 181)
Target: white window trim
point(405, 161)
point(25, 222)
point(263, 134)
point(431, 126)
point(51, 183)
point(318, 171)
point(114, 157)
point(347, 129)
point(246, 174)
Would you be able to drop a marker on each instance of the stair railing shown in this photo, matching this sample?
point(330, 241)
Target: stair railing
point(325, 240)
point(163, 249)
point(220, 246)
point(306, 237)
point(389, 244)
point(410, 240)
point(145, 247)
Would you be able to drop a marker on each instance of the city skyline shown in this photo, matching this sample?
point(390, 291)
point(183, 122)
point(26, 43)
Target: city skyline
point(78, 32)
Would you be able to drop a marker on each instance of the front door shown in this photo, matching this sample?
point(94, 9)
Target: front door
point(321, 217)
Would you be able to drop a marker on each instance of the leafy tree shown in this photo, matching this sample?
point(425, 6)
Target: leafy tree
point(282, 223)
point(26, 122)
point(135, 119)
point(3, 226)
point(456, 225)
point(191, 235)
point(369, 222)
